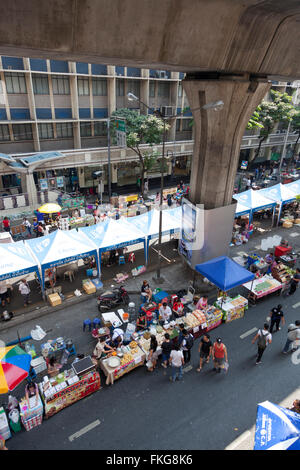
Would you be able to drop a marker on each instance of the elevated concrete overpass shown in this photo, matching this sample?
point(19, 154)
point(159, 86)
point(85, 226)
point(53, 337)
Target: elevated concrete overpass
point(230, 49)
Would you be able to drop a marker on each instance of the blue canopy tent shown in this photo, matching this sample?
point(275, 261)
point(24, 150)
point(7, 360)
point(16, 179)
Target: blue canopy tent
point(294, 186)
point(254, 201)
point(61, 247)
point(241, 210)
point(280, 194)
point(224, 273)
point(113, 234)
point(16, 260)
point(277, 428)
point(148, 223)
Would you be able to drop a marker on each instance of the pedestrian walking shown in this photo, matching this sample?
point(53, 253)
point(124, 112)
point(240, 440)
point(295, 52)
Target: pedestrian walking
point(153, 353)
point(294, 282)
point(25, 291)
point(219, 353)
point(40, 230)
point(205, 350)
point(176, 361)
point(263, 338)
point(166, 347)
point(276, 316)
point(293, 336)
point(186, 345)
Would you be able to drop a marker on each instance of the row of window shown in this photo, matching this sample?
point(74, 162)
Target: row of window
point(16, 84)
point(46, 131)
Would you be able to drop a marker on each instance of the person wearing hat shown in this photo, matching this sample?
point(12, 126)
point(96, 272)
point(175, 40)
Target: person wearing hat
point(219, 354)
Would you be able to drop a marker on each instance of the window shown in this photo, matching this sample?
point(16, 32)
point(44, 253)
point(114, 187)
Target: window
point(4, 133)
point(120, 88)
point(133, 86)
point(186, 124)
point(64, 130)
point(15, 83)
point(83, 86)
point(61, 85)
point(40, 84)
point(151, 89)
point(22, 131)
point(177, 125)
point(100, 128)
point(179, 91)
point(99, 86)
point(45, 131)
point(85, 129)
point(164, 89)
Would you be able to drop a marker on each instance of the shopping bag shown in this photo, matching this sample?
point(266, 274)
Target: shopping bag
point(225, 366)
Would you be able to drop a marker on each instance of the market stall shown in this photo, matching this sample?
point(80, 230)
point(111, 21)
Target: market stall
point(69, 386)
point(31, 412)
point(232, 308)
point(61, 247)
point(16, 260)
point(226, 274)
point(130, 357)
point(255, 202)
point(262, 287)
point(280, 194)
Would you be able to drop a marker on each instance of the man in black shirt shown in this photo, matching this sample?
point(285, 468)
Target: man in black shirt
point(276, 317)
point(294, 282)
point(205, 350)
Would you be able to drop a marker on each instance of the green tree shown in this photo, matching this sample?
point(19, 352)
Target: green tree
point(269, 113)
point(141, 129)
point(296, 127)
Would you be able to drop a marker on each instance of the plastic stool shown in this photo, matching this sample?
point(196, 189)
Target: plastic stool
point(96, 322)
point(89, 272)
point(88, 323)
point(121, 260)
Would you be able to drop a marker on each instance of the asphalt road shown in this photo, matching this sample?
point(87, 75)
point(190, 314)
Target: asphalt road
point(146, 411)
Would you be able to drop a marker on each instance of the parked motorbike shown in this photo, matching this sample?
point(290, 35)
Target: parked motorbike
point(110, 299)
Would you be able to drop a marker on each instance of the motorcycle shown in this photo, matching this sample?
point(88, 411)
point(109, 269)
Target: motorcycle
point(110, 299)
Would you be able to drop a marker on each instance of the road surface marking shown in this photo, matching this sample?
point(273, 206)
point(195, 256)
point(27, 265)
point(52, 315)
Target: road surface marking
point(239, 440)
point(244, 335)
point(296, 305)
point(84, 430)
point(294, 234)
point(187, 369)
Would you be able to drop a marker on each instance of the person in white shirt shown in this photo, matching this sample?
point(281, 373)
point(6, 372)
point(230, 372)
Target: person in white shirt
point(25, 291)
point(165, 312)
point(176, 361)
point(263, 338)
point(27, 225)
point(117, 337)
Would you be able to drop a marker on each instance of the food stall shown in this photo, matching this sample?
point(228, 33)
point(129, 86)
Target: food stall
point(232, 308)
point(283, 274)
point(69, 386)
point(129, 358)
point(31, 413)
point(262, 287)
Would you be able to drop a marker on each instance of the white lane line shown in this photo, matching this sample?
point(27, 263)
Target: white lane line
point(84, 430)
point(244, 335)
point(237, 442)
point(296, 305)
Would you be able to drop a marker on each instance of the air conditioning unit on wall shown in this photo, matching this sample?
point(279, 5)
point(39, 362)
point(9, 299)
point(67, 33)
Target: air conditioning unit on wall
point(167, 111)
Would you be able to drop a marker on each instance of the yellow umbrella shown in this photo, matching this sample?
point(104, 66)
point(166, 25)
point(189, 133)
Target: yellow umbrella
point(49, 208)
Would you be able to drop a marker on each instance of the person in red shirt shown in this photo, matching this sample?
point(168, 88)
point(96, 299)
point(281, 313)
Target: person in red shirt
point(6, 224)
point(178, 309)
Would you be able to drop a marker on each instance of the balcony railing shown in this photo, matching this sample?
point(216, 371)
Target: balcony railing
point(16, 201)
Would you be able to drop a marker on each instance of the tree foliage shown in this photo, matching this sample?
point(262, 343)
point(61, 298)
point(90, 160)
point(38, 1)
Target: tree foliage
point(141, 129)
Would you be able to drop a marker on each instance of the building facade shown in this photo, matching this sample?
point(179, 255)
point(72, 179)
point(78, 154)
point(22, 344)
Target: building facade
point(50, 105)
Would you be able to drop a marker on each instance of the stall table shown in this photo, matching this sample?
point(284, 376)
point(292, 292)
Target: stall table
point(232, 308)
point(32, 414)
point(262, 287)
point(112, 373)
point(68, 387)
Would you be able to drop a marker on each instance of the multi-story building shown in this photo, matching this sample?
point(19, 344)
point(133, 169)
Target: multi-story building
point(50, 105)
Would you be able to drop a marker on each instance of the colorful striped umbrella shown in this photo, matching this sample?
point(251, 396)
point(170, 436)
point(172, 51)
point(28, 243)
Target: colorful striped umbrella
point(14, 367)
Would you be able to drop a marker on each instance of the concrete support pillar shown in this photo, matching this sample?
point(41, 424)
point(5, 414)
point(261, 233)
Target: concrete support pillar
point(218, 134)
point(31, 189)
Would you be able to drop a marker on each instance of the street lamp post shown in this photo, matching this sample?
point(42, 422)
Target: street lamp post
point(108, 160)
point(215, 105)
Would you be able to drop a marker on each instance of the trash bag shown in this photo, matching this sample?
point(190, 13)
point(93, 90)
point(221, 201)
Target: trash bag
point(14, 415)
point(12, 402)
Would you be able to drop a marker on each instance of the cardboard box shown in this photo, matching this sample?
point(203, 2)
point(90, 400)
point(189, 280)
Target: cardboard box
point(54, 299)
point(89, 287)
